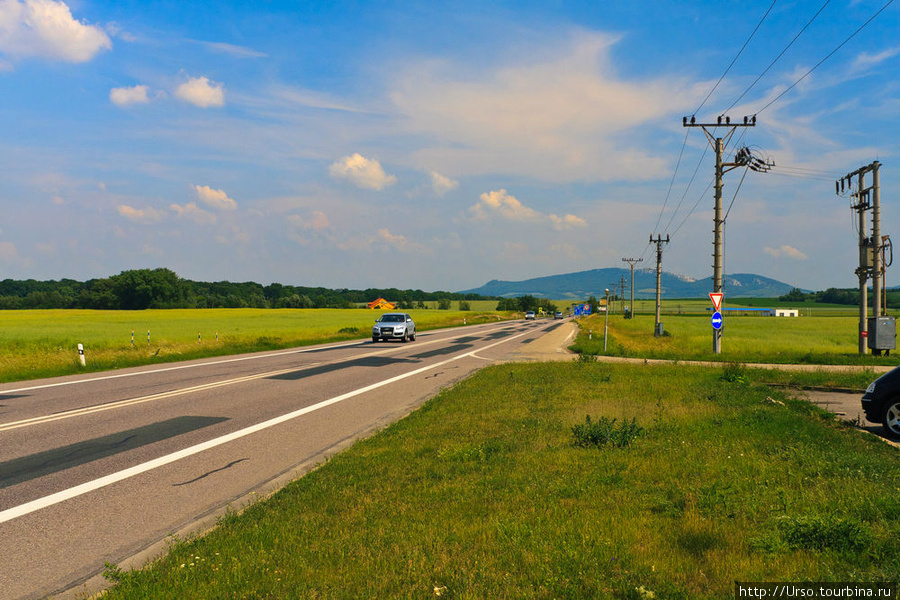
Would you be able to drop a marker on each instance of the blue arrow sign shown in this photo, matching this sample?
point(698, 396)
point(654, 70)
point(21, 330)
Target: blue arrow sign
point(717, 320)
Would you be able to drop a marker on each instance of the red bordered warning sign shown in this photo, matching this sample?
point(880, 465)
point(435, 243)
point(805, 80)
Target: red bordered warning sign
point(716, 298)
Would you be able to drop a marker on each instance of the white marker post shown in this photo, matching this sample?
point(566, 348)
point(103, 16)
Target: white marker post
point(81, 354)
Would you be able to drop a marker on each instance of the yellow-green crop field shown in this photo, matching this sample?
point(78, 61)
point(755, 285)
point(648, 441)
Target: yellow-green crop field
point(41, 343)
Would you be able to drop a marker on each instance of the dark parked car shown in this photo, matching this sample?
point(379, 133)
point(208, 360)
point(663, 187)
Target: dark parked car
point(394, 326)
point(881, 402)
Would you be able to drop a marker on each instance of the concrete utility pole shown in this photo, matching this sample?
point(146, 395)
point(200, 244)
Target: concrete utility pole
point(622, 295)
point(631, 262)
point(742, 159)
point(870, 248)
point(657, 327)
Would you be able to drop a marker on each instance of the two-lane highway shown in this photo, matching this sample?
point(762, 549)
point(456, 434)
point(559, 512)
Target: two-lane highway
point(105, 467)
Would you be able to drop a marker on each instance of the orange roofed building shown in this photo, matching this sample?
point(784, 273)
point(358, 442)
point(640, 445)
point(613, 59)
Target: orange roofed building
point(382, 304)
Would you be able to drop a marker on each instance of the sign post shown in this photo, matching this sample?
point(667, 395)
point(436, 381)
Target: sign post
point(716, 298)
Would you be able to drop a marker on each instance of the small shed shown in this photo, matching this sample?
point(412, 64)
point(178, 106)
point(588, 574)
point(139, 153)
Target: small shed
point(785, 312)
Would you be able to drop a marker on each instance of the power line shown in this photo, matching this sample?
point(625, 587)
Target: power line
point(771, 64)
point(734, 60)
point(829, 55)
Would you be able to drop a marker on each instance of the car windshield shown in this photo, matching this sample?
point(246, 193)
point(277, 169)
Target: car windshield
point(392, 318)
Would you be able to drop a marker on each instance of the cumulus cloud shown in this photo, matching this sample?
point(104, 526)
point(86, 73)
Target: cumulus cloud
point(46, 29)
point(126, 96)
point(441, 185)
point(785, 252)
point(507, 206)
point(363, 172)
point(194, 213)
point(140, 215)
point(199, 91)
point(217, 199)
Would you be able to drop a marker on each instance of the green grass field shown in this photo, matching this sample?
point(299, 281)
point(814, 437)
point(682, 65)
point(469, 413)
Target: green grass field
point(43, 343)
point(483, 493)
point(809, 340)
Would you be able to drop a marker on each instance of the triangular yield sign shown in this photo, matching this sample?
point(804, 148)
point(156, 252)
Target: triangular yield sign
point(716, 298)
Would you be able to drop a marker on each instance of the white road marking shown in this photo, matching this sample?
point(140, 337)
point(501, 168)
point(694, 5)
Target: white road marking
point(90, 486)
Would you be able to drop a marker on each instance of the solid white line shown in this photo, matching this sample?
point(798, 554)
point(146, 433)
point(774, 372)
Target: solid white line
point(90, 486)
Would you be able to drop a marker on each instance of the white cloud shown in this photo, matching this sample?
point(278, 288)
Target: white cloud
point(441, 185)
point(126, 96)
point(865, 60)
point(8, 251)
point(233, 50)
point(46, 29)
point(507, 206)
point(363, 172)
point(140, 215)
point(567, 222)
point(199, 91)
point(785, 252)
point(215, 198)
point(560, 119)
point(194, 213)
point(318, 222)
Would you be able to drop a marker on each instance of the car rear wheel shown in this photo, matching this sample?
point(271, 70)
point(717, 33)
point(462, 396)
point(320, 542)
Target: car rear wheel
point(891, 419)
point(413, 336)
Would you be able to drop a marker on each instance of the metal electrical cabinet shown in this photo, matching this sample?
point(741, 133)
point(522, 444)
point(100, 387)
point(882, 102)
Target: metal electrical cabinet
point(882, 333)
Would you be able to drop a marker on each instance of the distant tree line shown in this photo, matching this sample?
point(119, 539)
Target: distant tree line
point(838, 296)
point(526, 303)
point(162, 288)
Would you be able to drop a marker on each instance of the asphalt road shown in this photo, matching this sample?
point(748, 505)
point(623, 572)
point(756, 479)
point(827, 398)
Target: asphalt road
point(105, 467)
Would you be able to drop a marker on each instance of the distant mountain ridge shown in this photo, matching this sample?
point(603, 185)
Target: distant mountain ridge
point(583, 284)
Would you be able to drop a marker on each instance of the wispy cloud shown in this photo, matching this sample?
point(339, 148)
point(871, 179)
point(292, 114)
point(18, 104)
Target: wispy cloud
point(785, 252)
point(362, 172)
point(233, 50)
point(200, 91)
point(194, 213)
point(141, 215)
point(46, 29)
point(441, 184)
point(553, 118)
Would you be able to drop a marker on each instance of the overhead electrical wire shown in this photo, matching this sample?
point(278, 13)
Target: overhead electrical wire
point(734, 60)
point(771, 64)
point(829, 55)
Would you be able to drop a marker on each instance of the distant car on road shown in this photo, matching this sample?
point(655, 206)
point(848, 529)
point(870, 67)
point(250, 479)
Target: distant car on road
point(557, 315)
point(529, 315)
point(881, 402)
point(394, 326)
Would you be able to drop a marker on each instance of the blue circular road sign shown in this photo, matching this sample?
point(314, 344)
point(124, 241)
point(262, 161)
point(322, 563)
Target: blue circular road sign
point(717, 320)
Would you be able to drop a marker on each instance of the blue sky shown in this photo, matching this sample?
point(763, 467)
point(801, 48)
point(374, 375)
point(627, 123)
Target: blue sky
point(434, 145)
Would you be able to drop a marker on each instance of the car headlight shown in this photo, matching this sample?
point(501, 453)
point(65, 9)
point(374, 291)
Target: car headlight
point(871, 388)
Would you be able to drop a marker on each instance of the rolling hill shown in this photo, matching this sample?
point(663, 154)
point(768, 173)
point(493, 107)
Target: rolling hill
point(583, 284)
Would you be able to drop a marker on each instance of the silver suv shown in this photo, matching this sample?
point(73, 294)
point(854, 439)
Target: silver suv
point(394, 326)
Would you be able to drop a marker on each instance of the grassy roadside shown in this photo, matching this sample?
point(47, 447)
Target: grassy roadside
point(803, 340)
point(483, 494)
point(42, 343)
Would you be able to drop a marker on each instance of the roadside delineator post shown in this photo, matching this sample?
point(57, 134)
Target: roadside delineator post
point(81, 354)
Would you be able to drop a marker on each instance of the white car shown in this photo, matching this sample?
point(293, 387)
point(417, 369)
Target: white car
point(394, 326)
point(529, 315)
